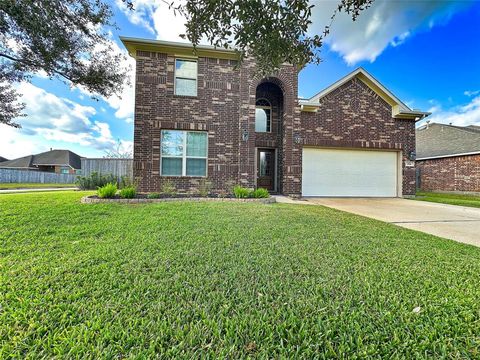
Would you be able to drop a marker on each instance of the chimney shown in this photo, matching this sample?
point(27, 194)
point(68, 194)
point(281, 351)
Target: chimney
point(428, 123)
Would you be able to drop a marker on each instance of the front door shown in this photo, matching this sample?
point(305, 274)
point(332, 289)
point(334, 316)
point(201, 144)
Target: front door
point(266, 169)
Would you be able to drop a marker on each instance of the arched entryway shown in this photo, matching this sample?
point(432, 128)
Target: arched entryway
point(269, 101)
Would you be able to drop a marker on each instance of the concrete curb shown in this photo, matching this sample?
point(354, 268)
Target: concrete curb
point(92, 200)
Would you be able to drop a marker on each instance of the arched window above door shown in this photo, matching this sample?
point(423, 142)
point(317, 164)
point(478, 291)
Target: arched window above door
point(263, 114)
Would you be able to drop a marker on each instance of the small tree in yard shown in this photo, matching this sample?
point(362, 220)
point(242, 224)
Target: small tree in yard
point(119, 151)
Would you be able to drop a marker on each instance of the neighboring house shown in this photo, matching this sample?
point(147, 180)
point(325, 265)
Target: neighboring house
point(55, 161)
point(202, 117)
point(2, 159)
point(448, 158)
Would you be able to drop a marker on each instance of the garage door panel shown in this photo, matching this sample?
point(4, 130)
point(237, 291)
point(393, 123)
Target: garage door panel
point(333, 172)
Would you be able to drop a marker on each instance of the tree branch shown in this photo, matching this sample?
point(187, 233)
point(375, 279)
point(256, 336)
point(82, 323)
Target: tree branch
point(31, 63)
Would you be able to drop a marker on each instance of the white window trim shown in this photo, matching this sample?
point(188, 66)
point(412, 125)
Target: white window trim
point(184, 156)
point(182, 77)
point(270, 118)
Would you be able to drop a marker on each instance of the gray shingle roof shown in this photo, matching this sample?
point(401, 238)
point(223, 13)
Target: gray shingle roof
point(439, 140)
point(21, 163)
point(52, 157)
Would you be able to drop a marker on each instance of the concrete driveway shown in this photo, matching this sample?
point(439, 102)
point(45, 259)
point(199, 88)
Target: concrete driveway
point(449, 221)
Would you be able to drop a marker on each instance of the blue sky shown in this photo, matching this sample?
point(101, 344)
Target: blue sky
point(426, 52)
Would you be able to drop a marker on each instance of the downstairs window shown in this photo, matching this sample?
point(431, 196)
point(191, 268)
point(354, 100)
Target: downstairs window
point(183, 153)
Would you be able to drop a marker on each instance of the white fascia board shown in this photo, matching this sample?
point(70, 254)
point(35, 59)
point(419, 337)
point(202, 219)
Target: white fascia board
point(449, 155)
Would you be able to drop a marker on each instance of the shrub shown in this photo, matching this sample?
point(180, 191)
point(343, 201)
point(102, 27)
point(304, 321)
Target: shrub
point(94, 181)
point(125, 182)
point(128, 192)
point(240, 192)
point(168, 188)
point(107, 191)
point(204, 187)
point(259, 193)
point(154, 195)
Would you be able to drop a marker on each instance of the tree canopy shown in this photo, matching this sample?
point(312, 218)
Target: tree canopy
point(271, 31)
point(70, 40)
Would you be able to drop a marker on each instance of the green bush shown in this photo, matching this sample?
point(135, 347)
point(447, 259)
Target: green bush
point(168, 188)
point(241, 192)
point(94, 181)
point(128, 192)
point(260, 193)
point(107, 191)
point(127, 181)
point(154, 195)
point(204, 187)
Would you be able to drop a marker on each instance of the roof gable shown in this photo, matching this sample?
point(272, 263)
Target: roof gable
point(399, 109)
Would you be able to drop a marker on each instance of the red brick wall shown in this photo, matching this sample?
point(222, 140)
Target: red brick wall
point(224, 106)
point(351, 116)
point(459, 173)
point(215, 109)
point(354, 116)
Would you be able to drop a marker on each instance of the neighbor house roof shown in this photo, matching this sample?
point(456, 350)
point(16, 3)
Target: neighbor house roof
point(441, 140)
point(48, 158)
point(399, 109)
point(177, 48)
point(3, 159)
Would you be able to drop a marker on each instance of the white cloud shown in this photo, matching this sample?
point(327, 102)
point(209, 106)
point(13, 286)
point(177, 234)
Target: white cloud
point(139, 16)
point(463, 115)
point(168, 26)
point(156, 17)
point(385, 23)
point(47, 111)
point(471, 93)
point(124, 103)
point(126, 147)
point(13, 144)
point(54, 121)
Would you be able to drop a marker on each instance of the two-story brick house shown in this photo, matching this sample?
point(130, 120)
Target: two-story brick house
point(204, 116)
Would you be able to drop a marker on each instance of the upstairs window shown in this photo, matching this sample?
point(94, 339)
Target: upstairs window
point(263, 111)
point(184, 153)
point(185, 77)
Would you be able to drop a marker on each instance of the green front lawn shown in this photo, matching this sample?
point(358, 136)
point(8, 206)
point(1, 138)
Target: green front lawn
point(8, 186)
point(227, 280)
point(452, 199)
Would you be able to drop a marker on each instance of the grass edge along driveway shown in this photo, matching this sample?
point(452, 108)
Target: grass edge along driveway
point(227, 280)
point(449, 198)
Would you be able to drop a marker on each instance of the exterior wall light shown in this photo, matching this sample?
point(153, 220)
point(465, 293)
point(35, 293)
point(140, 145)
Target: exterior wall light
point(297, 139)
point(412, 155)
point(245, 135)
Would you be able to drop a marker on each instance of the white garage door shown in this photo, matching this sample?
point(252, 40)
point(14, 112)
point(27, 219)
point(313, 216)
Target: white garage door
point(327, 172)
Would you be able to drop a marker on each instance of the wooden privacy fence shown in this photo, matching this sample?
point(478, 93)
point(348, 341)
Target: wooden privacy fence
point(32, 176)
point(116, 167)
